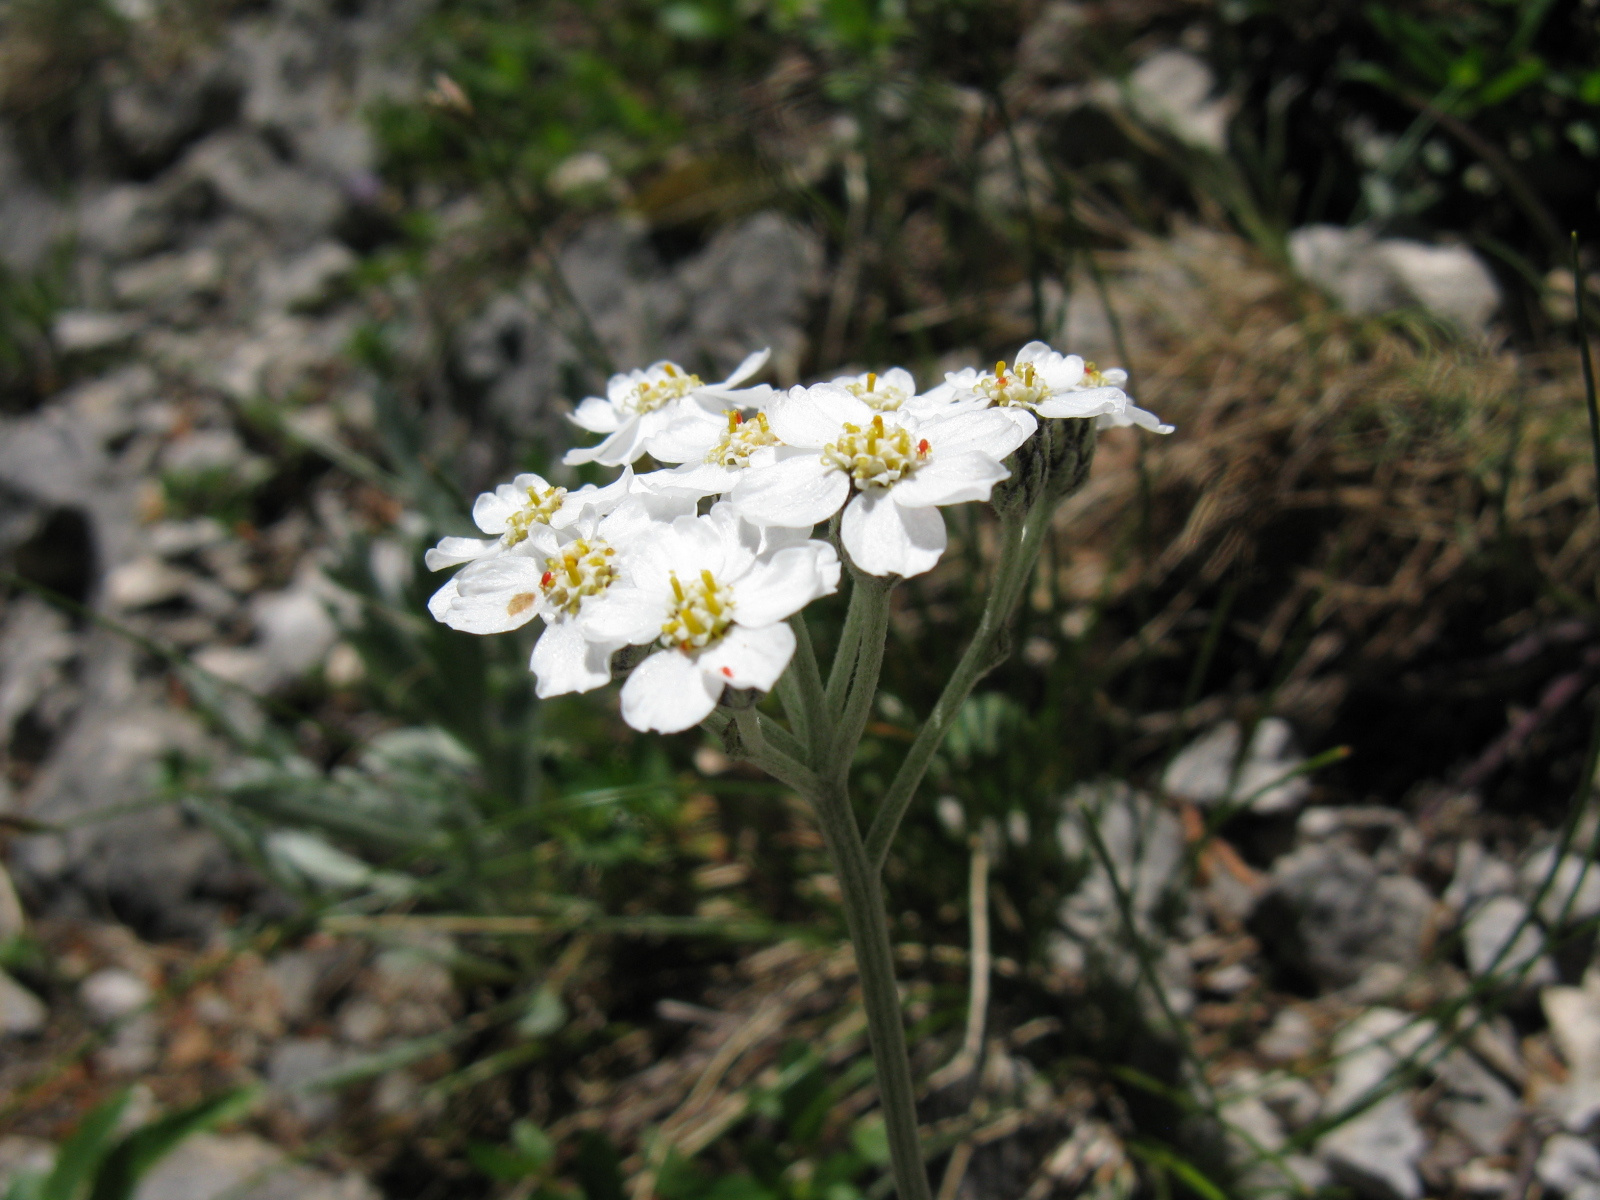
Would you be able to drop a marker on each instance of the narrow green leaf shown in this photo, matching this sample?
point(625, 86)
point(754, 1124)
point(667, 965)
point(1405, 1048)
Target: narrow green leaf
point(81, 1154)
point(142, 1149)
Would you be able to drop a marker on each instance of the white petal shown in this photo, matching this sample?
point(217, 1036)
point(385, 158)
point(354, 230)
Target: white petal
point(950, 478)
point(752, 363)
point(992, 431)
point(453, 551)
point(688, 436)
point(623, 616)
point(623, 446)
point(1134, 416)
point(785, 584)
point(812, 417)
point(797, 492)
point(884, 538)
point(668, 692)
point(596, 415)
point(692, 479)
point(491, 510)
point(565, 661)
point(600, 499)
point(496, 595)
point(748, 658)
point(1089, 402)
point(439, 603)
point(642, 514)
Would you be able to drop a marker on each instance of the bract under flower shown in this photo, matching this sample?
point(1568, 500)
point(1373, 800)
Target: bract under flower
point(660, 410)
point(900, 467)
point(714, 598)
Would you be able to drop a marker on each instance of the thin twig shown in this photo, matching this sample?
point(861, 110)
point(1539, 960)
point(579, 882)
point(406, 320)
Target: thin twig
point(968, 1058)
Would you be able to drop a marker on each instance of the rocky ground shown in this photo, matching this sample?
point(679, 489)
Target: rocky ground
point(1341, 962)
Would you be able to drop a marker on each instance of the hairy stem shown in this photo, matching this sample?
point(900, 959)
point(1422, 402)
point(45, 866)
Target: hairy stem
point(872, 621)
point(868, 922)
point(1022, 537)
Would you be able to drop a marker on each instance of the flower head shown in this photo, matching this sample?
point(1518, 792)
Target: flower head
point(723, 455)
point(1047, 383)
point(894, 469)
point(660, 410)
point(514, 510)
point(555, 574)
point(712, 597)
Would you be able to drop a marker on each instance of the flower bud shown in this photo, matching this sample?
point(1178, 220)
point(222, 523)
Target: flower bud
point(1049, 466)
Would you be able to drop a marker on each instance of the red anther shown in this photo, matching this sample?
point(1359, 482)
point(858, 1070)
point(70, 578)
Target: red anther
point(728, 671)
point(738, 418)
point(544, 580)
point(923, 447)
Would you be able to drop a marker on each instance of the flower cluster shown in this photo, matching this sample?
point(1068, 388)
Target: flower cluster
point(643, 562)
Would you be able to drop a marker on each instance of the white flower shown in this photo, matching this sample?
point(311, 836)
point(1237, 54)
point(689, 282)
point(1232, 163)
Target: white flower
point(720, 459)
point(715, 598)
point(893, 390)
point(658, 410)
point(1050, 384)
point(902, 467)
point(515, 509)
point(556, 574)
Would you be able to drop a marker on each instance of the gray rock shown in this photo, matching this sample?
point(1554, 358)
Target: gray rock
point(13, 921)
point(1478, 876)
point(752, 286)
point(153, 115)
point(1376, 1151)
point(153, 864)
point(112, 994)
point(1330, 914)
point(126, 220)
point(1475, 1103)
point(35, 641)
point(293, 1070)
point(1145, 847)
point(1203, 771)
point(211, 1166)
point(22, 1014)
point(253, 180)
point(1501, 937)
point(167, 278)
point(1174, 91)
point(1574, 891)
point(134, 1047)
point(22, 1156)
point(1574, 1017)
point(31, 222)
point(1291, 1036)
point(1370, 275)
point(1571, 1166)
point(306, 280)
point(77, 331)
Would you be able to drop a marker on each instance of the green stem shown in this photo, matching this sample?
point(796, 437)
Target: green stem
point(868, 923)
point(807, 684)
point(1022, 537)
point(872, 621)
point(844, 657)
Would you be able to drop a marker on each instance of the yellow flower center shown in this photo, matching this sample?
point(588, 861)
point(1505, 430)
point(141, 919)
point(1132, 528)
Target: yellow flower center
point(875, 456)
point(1021, 387)
point(701, 613)
point(673, 383)
point(742, 440)
point(581, 569)
point(543, 503)
point(1092, 377)
point(883, 399)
